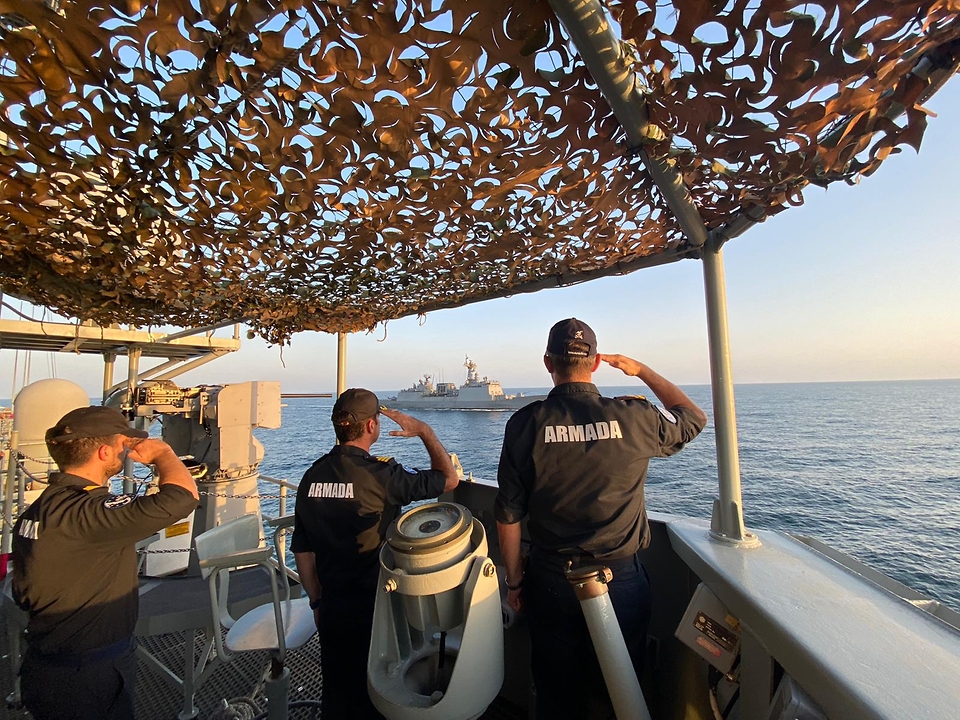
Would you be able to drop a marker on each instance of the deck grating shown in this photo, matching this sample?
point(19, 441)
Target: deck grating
point(159, 700)
point(241, 678)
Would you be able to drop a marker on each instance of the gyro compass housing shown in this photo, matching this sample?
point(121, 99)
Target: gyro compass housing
point(437, 646)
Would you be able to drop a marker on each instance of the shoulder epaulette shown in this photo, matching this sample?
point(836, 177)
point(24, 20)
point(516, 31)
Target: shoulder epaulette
point(88, 488)
point(630, 397)
point(384, 458)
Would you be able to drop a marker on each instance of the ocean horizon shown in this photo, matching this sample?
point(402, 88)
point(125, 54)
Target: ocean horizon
point(872, 468)
point(869, 467)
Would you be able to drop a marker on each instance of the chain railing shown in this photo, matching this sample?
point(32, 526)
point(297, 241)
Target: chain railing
point(282, 496)
point(17, 465)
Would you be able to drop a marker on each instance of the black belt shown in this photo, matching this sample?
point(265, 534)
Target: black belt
point(560, 561)
point(107, 652)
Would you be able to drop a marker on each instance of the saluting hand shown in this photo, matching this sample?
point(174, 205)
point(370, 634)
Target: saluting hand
point(628, 366)
point(409, 426)
point(147, 450)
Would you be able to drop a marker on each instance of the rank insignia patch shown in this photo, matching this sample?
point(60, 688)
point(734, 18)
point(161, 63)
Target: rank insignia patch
point(117, 501)
point(668, 416)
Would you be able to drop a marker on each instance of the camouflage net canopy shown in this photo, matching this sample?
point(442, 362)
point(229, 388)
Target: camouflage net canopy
point(329, 166)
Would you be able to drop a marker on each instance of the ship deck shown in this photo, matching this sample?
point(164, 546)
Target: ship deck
point(184, 602)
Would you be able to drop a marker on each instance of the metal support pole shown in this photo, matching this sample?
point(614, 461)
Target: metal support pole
point(133, 371)
point(277, 689)
point(172, 368)
point(282, 559)
point(341, 363)
point(22, 489)
point(133, 375)
point(150, 373)
point(109, 362)
point(588, 25)
point(727, 511)
point(9, 480)
point(193, 364)
point(208, 329)
point(623, 685)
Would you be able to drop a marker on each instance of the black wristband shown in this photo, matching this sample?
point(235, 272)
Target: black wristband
point(314, 604)
point(515, 587)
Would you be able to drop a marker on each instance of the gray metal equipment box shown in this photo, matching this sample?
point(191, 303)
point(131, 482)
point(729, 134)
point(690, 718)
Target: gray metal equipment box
point(710, 630)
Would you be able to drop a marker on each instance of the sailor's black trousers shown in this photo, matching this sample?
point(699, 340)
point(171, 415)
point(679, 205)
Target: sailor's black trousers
point(81, 686)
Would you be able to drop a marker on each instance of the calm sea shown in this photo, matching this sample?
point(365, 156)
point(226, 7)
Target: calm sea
point(871, 468)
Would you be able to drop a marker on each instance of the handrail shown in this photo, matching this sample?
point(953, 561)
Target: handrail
point(281, 554)
point(279, 482)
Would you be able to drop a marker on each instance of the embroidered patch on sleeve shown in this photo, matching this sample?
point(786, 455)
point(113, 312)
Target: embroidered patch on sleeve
point(117, 501)
point(667, 415)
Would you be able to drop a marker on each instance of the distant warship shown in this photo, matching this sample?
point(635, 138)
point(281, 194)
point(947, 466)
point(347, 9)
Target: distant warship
point(474, 394)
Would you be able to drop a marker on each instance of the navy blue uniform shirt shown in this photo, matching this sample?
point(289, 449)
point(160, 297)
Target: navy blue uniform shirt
point(575, 464)
point(74, 561)
point(345, 503)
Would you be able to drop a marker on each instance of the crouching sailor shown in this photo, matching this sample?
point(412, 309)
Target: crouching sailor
point(75, 565)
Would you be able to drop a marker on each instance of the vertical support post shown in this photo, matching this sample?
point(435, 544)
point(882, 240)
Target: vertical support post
point(109, 362)
point(623, 685)
point(133, 374)
point(341, 363)
point(283, 536)
point(190, 711)
point(9, 479)
point(22, 488)
point(728, 513)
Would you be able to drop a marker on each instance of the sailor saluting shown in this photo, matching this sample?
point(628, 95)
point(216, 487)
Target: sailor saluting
point(75, 566)
point(345, 503)
point(575, 465)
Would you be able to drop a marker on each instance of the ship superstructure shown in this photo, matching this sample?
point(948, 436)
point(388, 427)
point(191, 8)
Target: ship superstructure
point(475, 394)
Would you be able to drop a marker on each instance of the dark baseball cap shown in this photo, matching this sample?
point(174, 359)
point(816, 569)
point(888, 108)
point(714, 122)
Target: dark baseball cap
point(572, 338)
point(355, 405)
point(93, 421)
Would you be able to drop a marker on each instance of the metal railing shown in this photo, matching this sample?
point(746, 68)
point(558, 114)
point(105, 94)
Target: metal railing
point(15, 476)
point(284, 486)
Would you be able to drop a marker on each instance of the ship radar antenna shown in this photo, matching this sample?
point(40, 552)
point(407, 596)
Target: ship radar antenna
point(471, 367)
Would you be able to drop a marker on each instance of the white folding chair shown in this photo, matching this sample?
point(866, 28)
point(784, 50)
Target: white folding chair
point(279, 626)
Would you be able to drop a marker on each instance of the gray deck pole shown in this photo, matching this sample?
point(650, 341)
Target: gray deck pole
point(341, 363)
point(728, 513)
point(623, 685)
point(109, 361)
point(133, 375)
point(589, 26)
point(208, 329)
point(186, 366)
point(10, 477)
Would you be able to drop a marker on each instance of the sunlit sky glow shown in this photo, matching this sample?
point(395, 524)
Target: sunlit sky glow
point(861, 283)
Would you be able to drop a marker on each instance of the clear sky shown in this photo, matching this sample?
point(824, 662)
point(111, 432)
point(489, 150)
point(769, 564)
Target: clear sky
point(860, 283)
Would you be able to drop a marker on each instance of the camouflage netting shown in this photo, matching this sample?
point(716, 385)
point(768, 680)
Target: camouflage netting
point(332, 165)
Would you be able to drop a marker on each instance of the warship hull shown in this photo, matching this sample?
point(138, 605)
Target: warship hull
point(457, 403)
point(475, 394)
